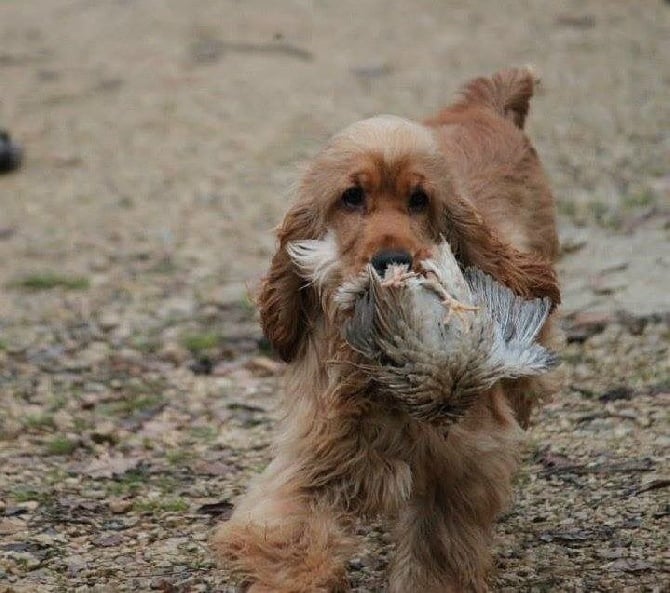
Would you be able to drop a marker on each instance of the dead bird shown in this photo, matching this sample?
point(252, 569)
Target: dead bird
point(431, 342)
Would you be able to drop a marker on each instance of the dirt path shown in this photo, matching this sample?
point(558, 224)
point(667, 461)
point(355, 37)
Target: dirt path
point(135, 395)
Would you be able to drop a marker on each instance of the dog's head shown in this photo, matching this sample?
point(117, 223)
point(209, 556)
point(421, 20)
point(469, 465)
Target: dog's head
point(379, 193)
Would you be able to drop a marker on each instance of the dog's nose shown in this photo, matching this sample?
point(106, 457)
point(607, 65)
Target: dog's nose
point(383, 259)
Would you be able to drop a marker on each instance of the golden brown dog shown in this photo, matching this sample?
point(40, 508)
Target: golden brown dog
point(388, 190)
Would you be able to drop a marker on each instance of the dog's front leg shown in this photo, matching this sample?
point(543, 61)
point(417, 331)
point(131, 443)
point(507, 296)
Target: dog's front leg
point(280, 540)
point(462, 482)
point(439, 552)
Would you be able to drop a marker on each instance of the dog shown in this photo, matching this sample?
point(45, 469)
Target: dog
point(387, 191)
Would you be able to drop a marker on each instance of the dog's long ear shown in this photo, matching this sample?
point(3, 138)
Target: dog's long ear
point(477, 244)
point(285, 301)
point(507, 92)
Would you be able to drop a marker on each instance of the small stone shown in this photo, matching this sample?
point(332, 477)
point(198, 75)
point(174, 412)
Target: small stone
point(93, 494)
point(30, 561)
point(129, 355)
point(109, 540)
point(174, 353)
point(63, 421)
point(121, 332)
point(210, 312)
point(75, 564)
point(105, 428)
point(29, 505)
point(11, 525)
point(49, 539)
point(129, 522)
point(120, 505)
point(109, 320)
point(94, 354)
point(622, 431)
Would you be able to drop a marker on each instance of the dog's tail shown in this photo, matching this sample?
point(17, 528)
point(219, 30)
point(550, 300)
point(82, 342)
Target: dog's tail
point(507, 92)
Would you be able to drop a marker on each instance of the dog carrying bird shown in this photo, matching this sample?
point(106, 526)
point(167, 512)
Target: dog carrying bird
point(411, 294)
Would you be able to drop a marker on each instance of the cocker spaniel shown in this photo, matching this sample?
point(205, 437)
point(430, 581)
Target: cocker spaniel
point(387, 191)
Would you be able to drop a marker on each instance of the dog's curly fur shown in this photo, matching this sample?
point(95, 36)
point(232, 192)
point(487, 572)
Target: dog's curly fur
point(469, 175)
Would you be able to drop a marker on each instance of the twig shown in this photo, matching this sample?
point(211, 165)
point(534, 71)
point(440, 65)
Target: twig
point(653, 485)
point(624, 467)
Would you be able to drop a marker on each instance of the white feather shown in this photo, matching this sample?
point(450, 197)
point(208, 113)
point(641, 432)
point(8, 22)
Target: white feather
point(317, 260)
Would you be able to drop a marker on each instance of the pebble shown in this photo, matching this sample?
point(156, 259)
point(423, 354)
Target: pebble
point(75, 564)
point(11, 525)
point(130, 355)
point(95, 353)
point(121, 332)
point(49, 539)
point(129, 522)
point(162, 584)
point(120, 505)
point(63, 420)
point(109, 320)
point(622, 431)
point(174, 353)
point(29, 505)
point(30, 561)
point(94, 494)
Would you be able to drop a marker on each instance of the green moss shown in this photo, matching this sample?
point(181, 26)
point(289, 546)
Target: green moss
point(603, 215)
point(599, 210)
point(199, 343)
point(49, 280)
point(134, 404)
point(571, 357)
point(567, 208)
point(179, 456)
point(39, 422)
point(81, 424)
point(247, 304)
point(161, 505)
point(58, 402)
point(23, 494)
point(129, 483)
point(61, 446)
point(205, 433)
point(639, 200)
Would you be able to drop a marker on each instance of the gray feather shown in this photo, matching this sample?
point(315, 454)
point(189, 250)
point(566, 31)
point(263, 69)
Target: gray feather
point(432, 342)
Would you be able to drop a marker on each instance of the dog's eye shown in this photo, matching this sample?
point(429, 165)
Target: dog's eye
point(353, 197)
point(418, 201)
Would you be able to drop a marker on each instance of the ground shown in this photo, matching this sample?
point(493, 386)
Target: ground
point(137, 397)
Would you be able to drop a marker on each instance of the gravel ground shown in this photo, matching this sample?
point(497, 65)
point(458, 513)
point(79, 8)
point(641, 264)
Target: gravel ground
point(136, 395)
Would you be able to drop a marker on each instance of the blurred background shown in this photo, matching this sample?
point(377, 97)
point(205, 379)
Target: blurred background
point(161, 139)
